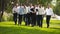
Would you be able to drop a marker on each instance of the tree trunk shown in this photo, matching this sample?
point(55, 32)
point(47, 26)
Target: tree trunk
point(2, 9)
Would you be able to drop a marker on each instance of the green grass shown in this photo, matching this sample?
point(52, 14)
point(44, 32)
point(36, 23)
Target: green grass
point(10, 28)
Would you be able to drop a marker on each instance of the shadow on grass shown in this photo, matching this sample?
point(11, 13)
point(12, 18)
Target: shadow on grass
point(20, 30)
point(55, 28)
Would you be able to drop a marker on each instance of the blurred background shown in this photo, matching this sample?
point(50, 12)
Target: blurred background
point(7, 5)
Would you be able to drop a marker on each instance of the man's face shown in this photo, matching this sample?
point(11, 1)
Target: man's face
point(48, 6)
point(16, 5)
point(30, 4)
point(40, 5)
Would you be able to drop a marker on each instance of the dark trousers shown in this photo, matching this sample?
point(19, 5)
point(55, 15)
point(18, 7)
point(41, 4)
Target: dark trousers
point(48, 20)
point(37, 20)
point(15, 18)
point(40, 20)
point(25, 19)
point(33, 19)
point(29, 18)
point(20, 19)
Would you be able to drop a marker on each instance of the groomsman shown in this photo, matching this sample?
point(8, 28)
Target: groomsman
point(36, 9)
point(25, 14)
point(40, 16)
point(30, 14)
point(49, 13)
point(20, 14)
point(33, 16)
point(15, 11)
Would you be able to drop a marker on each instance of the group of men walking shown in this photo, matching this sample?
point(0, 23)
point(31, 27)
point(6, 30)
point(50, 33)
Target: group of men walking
point(32, 14)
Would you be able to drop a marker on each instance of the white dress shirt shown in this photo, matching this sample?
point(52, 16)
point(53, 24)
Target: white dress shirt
point(21, 10)
point(16, 9)
point(26, 10)
point(30, 8)
point(49, 11)
point(36, 11)
point(40, 11)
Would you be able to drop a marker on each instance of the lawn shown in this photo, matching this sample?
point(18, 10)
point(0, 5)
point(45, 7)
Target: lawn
point(10, 28)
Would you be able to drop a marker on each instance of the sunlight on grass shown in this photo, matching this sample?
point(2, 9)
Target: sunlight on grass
point(10, 28)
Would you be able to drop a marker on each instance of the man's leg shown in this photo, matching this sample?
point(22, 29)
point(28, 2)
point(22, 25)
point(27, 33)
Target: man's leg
point(15, 18)
point(48, 20)
point(19, 19)
point(41, 20)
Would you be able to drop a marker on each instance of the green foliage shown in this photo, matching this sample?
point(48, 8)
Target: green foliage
point(7, 17)
point(57, 8)
point(10, 18)
point(36, 1)
point(9, 8)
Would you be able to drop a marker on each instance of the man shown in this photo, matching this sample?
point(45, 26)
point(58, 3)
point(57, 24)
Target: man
point(36, 9)
point(29, 14)
point(49, 13)
point(15, 11)
point(25, 14)
point(40, 16)
point(20, 15)
point(33, 17)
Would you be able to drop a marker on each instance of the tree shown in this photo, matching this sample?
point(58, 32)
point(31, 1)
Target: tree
point(57, 8)
point(3, 4)
point(2, 9)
